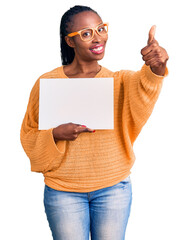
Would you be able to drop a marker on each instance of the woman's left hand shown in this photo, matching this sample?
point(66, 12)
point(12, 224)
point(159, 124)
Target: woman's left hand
point(154, 56)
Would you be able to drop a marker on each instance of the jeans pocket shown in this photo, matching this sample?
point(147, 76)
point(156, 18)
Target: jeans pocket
point(125, 182)
point(49, 190)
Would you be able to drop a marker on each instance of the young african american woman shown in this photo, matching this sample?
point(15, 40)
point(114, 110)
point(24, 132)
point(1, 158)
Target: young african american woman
point(87, 172)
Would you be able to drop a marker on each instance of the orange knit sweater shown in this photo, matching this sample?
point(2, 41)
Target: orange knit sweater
point(94, 160)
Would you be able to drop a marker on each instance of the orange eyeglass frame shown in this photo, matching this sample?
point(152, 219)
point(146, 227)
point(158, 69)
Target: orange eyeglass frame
point(93, 30)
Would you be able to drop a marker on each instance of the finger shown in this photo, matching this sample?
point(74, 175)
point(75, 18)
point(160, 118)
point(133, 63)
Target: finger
point(152, 54)
point(83, 128)
point(151, 34)
point(91, 130)
point(153, 45)
point(154, 62)
point(80, 126)
point(146, 50)
point(76, 124)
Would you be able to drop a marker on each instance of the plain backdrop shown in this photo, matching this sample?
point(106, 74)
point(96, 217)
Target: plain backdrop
point(30, 47)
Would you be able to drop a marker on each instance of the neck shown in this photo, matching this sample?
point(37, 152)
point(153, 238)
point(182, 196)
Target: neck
point(85, 67)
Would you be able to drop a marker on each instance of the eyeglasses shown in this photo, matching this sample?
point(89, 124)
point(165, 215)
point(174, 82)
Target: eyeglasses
point(87, 34)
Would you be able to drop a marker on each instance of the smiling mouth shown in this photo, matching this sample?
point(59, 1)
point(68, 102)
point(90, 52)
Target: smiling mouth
point(97, 50)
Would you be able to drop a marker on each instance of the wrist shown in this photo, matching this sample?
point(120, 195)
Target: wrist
point(54, 135)
point(159, 70)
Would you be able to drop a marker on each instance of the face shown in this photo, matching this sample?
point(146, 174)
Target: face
point(87, 50)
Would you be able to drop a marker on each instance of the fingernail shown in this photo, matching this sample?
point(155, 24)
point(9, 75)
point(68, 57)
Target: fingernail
point(83, 125)
point(94, 131)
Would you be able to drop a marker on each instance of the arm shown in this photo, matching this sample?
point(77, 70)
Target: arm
point(141, 91)
point(39, 145)
point(143, 87)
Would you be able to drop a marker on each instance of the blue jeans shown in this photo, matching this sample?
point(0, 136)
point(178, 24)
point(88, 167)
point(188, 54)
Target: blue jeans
point(103, 213)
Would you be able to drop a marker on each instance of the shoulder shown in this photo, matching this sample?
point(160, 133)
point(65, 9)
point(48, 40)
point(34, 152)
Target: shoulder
point(55, 73)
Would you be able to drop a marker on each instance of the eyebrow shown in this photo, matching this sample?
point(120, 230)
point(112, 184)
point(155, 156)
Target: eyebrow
point(90, 27)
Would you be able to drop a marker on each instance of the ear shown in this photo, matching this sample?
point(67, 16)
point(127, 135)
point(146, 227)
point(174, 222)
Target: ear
point(70, 41)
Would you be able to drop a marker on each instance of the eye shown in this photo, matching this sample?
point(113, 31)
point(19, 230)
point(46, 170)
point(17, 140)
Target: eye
point(101, 29)
point(86, 33)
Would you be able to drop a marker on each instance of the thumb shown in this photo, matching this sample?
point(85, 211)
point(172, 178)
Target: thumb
point(151, 34)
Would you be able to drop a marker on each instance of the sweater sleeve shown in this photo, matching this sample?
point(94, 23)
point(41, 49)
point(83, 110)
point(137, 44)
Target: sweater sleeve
point(141, 91)
point(39, 145)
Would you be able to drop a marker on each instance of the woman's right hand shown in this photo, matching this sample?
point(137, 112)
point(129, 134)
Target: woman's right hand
point(69, 131)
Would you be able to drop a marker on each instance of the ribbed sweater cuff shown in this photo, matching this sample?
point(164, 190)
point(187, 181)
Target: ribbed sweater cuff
point(50, 155)
point(147, 72)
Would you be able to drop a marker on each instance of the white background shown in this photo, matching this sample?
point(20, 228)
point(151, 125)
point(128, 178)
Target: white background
point(30, 47)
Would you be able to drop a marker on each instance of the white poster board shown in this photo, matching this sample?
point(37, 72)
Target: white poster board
point(85, 101)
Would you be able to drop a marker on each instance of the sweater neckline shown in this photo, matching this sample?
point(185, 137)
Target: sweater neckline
point(62, 73)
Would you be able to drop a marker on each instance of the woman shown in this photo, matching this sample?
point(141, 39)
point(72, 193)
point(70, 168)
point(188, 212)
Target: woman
point(87, 182)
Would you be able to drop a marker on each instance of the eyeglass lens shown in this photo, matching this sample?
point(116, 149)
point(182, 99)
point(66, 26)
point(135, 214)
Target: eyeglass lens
point(87, 34)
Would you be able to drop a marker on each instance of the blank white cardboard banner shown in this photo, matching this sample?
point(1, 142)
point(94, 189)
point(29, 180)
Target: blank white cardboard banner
point(86, 101)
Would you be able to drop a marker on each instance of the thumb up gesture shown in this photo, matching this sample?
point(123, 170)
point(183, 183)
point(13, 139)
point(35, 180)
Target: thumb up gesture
point(154, 56)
